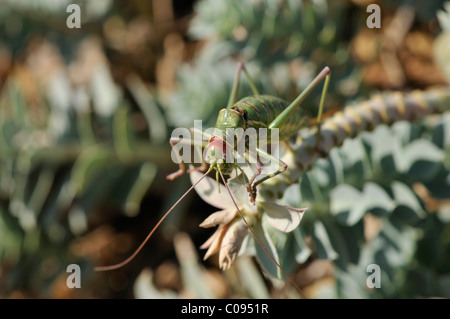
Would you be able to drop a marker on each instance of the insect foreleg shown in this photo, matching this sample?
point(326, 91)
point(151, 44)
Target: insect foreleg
point(197, 143)
point(198, 149)
point(250, 189)
point(282, 166)
point(252, 182)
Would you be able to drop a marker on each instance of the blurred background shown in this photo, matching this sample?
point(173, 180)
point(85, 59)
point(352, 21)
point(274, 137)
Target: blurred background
point(85, 120)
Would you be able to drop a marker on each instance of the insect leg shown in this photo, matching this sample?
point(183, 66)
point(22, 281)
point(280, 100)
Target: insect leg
point(282, 166)
point(233, 96)
point(250, 190)
point(194, 142)
point(279, 121)
point(322, 101)
point(198, 150)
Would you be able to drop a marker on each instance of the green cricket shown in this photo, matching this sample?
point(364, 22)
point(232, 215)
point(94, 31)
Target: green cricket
point(257, 111)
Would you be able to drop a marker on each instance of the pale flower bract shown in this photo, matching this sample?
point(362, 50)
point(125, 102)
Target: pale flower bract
point(232, 230)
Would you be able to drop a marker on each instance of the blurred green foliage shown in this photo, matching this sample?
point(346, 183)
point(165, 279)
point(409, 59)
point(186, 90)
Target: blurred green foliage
point(363, 199)
point(75, 147)
point(83, 139)
point(284, 45)
point(364, 209)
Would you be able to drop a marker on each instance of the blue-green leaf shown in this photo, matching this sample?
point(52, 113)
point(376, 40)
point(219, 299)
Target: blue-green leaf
point(347, 204)
point(302, 252)
point(281, 217)
point(408, 205)
point(376, 199)
point(263, 258)
point(421, 160)
point(354, 160)
point(322, 242)
point(385, 151)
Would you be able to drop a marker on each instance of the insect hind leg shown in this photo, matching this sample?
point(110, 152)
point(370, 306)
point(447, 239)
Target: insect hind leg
point(234, 91)
point(283, 116)
point(321, 104)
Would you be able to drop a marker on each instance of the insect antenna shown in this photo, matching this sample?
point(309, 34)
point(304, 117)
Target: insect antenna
point(126, 261)
point(257, 239)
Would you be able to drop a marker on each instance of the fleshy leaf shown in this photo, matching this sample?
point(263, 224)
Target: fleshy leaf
point(210, 240)
point(221, 217)
point(322, 243)
point(408, 205)
point(213, 242)
point(263, 258)
point(444, 17)
point(231, 243)
point(281, 217)
point(209, 192)
point(377, 200)
point(238, 187)
point(422, 159)
point(302, 250)
point(347, 204)
point(385, 151)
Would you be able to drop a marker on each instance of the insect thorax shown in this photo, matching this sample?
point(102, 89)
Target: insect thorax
point(260, 110)
point(230, 118)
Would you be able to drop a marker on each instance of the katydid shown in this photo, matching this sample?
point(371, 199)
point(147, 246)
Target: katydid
point(257, 111)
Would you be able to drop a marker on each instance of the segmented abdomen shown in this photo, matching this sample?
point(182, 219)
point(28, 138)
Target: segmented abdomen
point(388, 108)
point(261, 110)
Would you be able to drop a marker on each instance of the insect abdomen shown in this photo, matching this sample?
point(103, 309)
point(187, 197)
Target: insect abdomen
point(261, 110)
